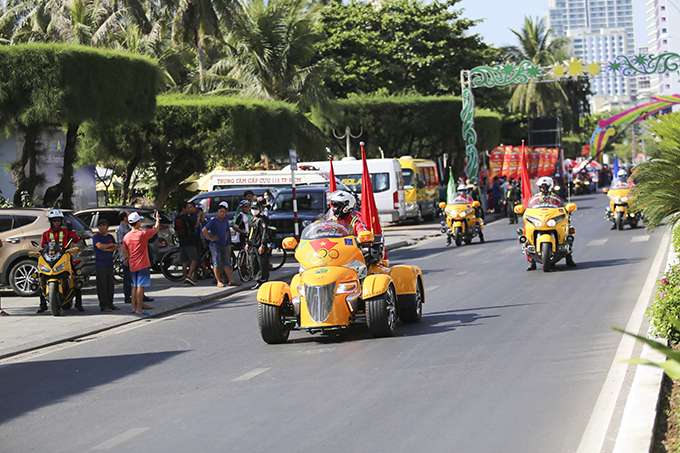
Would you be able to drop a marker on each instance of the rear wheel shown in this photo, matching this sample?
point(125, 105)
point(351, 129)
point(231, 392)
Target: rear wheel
point(619, 220)
point(171, 266)
point(415, 312)
point(381, 313)
point(458, 236)
point(243, 262)
point(53, 298)
point(271, 321)
point(277, 259)
point(546, 249)
point(419, 216)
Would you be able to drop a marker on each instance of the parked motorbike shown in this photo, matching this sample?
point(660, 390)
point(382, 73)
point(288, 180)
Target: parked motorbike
point(547, 236)
point(461, 223)
point(57, 280)
point(618, 211)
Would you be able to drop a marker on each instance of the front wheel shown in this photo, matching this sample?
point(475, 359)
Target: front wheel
point(171, 266)
point(53, 298)
point(634, 222)
point(381, 313)
point(458, 236)
point(272, 327)
point(546, 250)
point(619, 221)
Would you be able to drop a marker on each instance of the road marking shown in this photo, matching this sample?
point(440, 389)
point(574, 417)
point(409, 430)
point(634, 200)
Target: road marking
point(511, 249)
point(432, 288)
point(119, 439)
point(596, 242)
point(462, 273)
point(468, 252)
point(594, 436)
point(251, 374)
point(640, 238)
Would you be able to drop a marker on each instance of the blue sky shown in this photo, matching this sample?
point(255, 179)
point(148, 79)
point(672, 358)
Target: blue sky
point(502, 15)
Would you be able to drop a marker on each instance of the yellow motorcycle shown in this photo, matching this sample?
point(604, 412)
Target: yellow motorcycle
point(461, 222)
point(618, 212)
point(547, 236)
point(343, 281)
point(57, 280)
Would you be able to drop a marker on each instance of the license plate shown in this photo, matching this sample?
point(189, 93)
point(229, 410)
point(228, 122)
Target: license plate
point(284, 235)
point(88, 242)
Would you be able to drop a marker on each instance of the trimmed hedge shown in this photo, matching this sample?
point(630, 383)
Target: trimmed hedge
point(58, 84)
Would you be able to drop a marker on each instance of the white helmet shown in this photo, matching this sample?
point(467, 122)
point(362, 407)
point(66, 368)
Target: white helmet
point(461, 187)
point(621, 173)
point(55, 214)
point(342, 203)
point(545, 181)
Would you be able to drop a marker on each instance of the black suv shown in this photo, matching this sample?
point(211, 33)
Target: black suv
point(312, 202)
point(211, 200)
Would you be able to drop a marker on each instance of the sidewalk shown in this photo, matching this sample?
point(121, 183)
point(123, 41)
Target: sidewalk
point(24, 330)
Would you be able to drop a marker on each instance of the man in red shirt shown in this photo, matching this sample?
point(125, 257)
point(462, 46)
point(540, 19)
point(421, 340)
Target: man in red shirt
point(58, 233)
point(136, 254)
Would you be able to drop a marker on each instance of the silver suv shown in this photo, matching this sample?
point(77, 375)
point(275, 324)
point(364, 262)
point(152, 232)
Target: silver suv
point(21, 231)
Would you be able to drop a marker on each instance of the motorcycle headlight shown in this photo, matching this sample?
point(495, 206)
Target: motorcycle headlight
point(555, 220)
point(536, 222)
point(464, 213)
point(301, 290)
point(359, 268)
point(60, 268)
point(450, 212)
point(44, 268)
point(624, 199)
point(616, 200)
point(344, 288)
point(306, 223)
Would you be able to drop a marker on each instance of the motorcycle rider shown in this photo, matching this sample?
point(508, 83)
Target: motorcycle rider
point(545, 184)
point(342, 208)
point(61, 234)
point(463, 193)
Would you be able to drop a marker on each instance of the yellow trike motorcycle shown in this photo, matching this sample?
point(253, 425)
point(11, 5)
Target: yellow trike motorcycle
point(547, 236)
point(618, 211)
point(343, 280)
point(461, 223)
point(56, 278)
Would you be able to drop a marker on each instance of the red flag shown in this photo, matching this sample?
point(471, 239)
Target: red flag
point(369, 211)
point(333, 185)
point(526, 185)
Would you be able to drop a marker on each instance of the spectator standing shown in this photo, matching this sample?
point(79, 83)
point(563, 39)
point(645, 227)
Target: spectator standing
point(184, 228)
point(217, 231)
point(511, 199)
point(122, 230)
point(258, 245)
point(242, 222)
point(104, 245)
point(497, 194)
point(135, 247)
point(248, 195)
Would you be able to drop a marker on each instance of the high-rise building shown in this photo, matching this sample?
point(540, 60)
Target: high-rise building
point(600, 31)
point(663, 36)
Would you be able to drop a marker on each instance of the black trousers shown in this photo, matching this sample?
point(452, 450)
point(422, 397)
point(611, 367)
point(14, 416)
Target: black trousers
point(259, 264)
point(105, 286)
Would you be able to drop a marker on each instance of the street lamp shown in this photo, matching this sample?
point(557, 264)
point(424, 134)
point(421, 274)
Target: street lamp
point(347, 135)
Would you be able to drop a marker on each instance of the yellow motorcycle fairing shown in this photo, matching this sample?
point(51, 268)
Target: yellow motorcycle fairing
point(53, 274)
point(618, 199)
point(328, 252)
point(274, 293)
point(335, 288)
point(460, 215)
point(537, 234)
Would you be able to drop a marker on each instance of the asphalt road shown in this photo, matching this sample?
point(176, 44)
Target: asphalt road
point(503, 360)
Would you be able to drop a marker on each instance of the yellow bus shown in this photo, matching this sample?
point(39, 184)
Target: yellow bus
point(421, 187)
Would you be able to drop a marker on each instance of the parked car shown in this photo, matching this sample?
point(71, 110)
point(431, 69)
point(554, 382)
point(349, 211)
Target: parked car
point(312, 202)
point(159, 248)
point(21, 232)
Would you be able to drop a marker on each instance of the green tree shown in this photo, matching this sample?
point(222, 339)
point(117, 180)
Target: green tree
point(657, 181)
point(399, 46)
point(536, 44)
point(270, 54)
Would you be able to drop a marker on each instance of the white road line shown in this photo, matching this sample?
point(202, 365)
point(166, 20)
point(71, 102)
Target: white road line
point(469, 252)
point(511, 249)
point(462, 273)
point(644, 238)
point(120, 438)
point(251, 374)
point(596, 242)
point(598, 424)
point(431, 288)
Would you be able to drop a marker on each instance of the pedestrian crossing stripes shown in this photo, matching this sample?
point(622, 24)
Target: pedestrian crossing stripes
point(640, 238)
point(596, 242)
point(251, 374)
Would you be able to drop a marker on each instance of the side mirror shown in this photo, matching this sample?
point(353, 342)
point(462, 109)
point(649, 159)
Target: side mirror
point(442, 204)
point(289, 243)
point(519, 209)
point(365, 237)
point(571, 207)
point(605, 190)
point(475, 204)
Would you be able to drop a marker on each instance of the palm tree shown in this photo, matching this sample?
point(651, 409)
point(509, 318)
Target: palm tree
point(541, 48)
point(198, 21)
point(270, 54)
point(657, 181)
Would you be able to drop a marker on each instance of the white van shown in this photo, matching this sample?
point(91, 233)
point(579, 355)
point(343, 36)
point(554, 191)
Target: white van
point(386, 177)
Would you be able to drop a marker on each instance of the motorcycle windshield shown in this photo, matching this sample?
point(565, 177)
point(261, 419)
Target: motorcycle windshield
point(52, 251)
point(544, 201)
point(326, 229)
point(620, 185)
point(461, 200)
